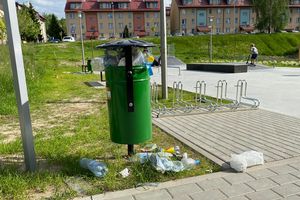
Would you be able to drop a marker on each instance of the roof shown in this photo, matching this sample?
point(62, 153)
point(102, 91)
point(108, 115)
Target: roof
point(134, 5)
point(206, 4)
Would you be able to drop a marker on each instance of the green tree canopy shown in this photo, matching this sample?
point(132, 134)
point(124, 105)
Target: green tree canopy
point(2, 29)
point(126, 32)
point(271, 14)
point(53, 27)
point(29, 29)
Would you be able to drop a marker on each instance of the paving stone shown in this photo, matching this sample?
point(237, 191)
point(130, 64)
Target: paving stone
point(296, 173)
point(124, 198)
point(239, 198)
point(264, 195)
point(295, 197)
point(209, 195)
point(151, 195)
point(185, 197)
point(213, 184)
point(295, 165)
point(236, 190)
point(287, 190)
point(262, 184)
point(283, 169)
point(284, 179)
point(262, 173)
point(238, 178)
point(184, 189)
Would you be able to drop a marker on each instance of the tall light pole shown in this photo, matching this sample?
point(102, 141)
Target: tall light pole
point(81, 36)
point(163, 50)
point(113, 16)
point(211, 33)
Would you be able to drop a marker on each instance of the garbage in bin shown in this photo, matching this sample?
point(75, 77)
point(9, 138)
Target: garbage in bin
point(128, 92)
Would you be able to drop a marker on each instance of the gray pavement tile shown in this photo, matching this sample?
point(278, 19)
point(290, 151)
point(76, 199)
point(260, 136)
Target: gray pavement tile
point(283, 169)
point(238, 178)
point(295, 165)
point(213, 183)
point(295, 197)
point(262, 184)
point(182, 197)
point(155, 194)
point(209, 195)
point(124, 198)
point(236, 190)
point(287, 190)
point(284, 179)
point(296, 173)
point(184, 189)
point(261, 173)
point(264, 195)
point(238, 198)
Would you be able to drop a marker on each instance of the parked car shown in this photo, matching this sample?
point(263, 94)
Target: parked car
point(102, 38)
point(68, 39)
point(53, 40)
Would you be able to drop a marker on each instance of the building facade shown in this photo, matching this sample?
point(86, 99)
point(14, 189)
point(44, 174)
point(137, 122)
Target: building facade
point(108, 18)
point(222, 16)
point(294, 21)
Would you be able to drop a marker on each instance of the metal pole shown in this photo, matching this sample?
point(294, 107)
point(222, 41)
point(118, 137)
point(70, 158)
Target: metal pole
point(113, 15)
point(17, 64)
point(211, 33)
point(163, 50)
point(81, 36)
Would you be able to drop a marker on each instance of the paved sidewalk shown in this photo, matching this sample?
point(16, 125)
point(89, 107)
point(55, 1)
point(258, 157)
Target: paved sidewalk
point(276, 180)
point(278, 89)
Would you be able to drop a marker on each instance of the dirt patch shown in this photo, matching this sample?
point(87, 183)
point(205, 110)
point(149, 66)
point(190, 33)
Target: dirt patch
point(50, 116)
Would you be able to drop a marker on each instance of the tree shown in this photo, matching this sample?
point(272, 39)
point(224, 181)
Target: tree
point(54, 29)
point(29, 30)
point(2, 29)
point(271, 14)
point(63, 26)
point(125, 32)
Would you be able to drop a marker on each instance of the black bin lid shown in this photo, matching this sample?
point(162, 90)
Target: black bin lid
point(126, 43)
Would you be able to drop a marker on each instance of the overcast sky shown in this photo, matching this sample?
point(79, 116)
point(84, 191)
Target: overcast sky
point(53, 6)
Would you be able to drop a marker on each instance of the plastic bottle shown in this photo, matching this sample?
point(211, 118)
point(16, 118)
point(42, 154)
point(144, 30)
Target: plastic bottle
point(189, 163)
point(99, 169)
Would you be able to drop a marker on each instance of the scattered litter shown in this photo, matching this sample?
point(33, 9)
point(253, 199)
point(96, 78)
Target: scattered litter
point(240, 162)
point(99, 169)
point(174, 150)
point(141, 157)
point(164, 164)
point(149, 148)
point(209, 171)
point(189, 163)
point(124, 172)
point(78, 184)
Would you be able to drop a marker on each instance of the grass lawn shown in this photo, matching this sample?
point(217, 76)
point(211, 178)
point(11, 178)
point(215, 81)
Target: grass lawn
point(70, 121)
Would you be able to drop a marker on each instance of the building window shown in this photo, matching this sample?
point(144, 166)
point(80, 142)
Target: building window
point(187, 2)
point(120, 25)
point(105, 5)
point(129, 15)
point(193, 11)
point(100, 16)
point(298, 19)
point(193, 21)
point(209, 11)
point(156, 24)
point(237, 20)
point(75, 5)
point(148, 24)
point(227, 30)
point(218, 30)
point(218, 21)
point(227, 10)
point(71, 15)
point(101, 25)
point(227, 20)
point(110, 26)
point(219, 10)
point(109, 15)
point(147, 15)
point(73, 28)
point(120, 15)
point(130, 25)
point(183, 12)
point(156, 15)
point(122, 5)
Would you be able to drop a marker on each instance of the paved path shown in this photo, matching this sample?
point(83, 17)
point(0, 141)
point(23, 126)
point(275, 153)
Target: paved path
point(278, 89)
point(276, 180)
point(218, 135)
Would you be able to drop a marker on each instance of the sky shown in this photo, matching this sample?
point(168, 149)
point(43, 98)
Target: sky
point(53, 6)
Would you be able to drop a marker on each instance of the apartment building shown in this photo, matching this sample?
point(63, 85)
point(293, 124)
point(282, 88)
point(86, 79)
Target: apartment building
point(108, 18)
point(222, 16)
point(294, 21)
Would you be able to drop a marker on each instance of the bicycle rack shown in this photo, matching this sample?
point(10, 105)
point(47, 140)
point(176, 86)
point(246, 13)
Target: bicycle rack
point(241, 94)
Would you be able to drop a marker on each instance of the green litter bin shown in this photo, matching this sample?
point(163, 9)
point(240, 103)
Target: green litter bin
point(128, 93)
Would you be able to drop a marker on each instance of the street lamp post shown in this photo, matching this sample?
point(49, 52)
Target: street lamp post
point(81, 36)
point(211, 33)
point(113, 15)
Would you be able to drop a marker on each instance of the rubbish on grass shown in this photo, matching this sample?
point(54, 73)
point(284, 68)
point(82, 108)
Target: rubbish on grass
point(141, 157)
point(149, 148)
point(164, 164)
point(99, 169)
point(209, 171)
point(124, 172)
point(189, 163)
point(174, 150)
point(240, 162)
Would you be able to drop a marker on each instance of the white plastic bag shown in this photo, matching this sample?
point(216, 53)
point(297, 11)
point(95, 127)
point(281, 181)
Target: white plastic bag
point(253, 158)
point(238, 163)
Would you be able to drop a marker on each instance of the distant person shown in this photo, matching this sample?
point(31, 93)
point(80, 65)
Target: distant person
point(254, 54)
